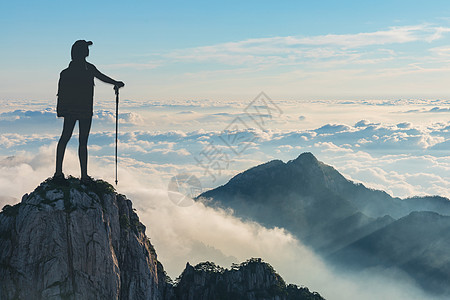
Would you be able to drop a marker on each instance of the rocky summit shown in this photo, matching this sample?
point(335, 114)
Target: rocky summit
point(76, 241)
point(250, 280)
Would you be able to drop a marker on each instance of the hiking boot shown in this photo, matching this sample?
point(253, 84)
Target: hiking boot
point(59, 179)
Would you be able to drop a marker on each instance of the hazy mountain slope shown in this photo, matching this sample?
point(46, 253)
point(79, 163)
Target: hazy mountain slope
point(418, 243)
point(429, 203)
point(304, 197)
point(308, 177)
point(279, 194)
point(346, 231)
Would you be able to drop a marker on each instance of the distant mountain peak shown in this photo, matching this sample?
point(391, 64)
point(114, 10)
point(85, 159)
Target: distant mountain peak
point(309, 164)
point(306, 157)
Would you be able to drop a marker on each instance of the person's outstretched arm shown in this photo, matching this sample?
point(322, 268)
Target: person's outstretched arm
point(107, 79)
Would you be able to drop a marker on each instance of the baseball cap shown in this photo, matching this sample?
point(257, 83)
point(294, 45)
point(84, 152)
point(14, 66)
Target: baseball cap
point(80, 43)
point(79, 49)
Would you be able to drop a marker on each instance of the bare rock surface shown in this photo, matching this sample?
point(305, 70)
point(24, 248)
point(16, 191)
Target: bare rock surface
point(76, 242)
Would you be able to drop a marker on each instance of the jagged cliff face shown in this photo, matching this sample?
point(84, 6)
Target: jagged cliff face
point(76, 242)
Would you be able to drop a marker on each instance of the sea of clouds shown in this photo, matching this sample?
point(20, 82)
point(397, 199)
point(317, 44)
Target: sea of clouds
point(400, 146)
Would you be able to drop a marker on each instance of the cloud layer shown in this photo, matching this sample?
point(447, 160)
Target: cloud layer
point(404, 158)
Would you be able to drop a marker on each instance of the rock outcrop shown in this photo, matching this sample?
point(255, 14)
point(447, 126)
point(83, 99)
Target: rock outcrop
point(250, 280)
point(74, 241)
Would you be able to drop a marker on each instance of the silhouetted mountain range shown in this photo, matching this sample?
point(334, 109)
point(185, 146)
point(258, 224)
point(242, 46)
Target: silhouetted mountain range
point(346, 222)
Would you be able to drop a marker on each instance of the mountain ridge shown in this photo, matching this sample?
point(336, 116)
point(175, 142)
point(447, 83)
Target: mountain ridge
point(329, 213)
point(333, 180)
point(252, 279)
point(398, 245)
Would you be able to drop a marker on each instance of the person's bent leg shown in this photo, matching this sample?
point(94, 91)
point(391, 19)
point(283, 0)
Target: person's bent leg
point(69, 124)
point(85, 127)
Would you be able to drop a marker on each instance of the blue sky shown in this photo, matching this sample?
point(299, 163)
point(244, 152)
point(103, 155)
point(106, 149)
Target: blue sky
point(158, 48)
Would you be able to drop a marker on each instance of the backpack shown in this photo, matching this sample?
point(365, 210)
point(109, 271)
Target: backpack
point(76, 91)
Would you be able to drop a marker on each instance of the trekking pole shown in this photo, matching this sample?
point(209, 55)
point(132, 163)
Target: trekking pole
point(116, 89)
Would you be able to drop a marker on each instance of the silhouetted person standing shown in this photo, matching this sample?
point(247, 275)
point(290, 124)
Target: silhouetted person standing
point(75, 102)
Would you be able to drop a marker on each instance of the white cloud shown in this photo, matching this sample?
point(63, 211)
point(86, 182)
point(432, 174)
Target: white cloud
point(362, 64)
point(295, 49)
